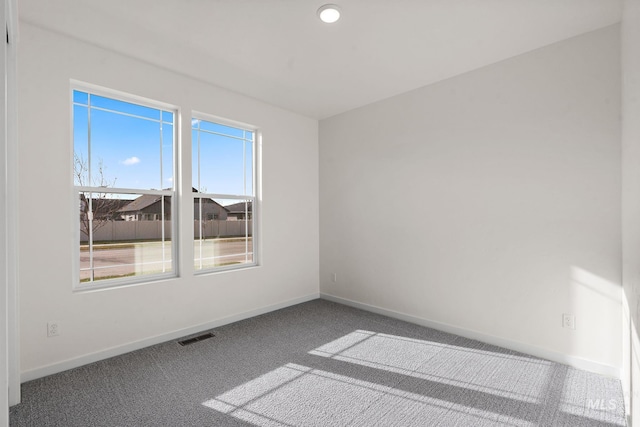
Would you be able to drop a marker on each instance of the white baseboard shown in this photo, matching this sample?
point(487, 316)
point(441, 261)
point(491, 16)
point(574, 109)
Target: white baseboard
point(576, 362)
point(137, 345)
point(573, 361)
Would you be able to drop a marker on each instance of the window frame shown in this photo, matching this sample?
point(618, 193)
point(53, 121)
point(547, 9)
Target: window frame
point(77, 285)
point(253, 198)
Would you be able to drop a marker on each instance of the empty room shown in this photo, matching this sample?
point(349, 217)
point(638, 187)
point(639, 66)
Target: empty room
point(299, 213)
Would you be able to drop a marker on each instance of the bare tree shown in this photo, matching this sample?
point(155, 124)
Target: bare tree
point(96, 208)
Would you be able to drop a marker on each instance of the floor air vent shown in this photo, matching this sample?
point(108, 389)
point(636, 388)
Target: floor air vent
point(196, 339)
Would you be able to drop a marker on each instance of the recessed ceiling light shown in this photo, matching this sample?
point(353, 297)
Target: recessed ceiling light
point(329, 13)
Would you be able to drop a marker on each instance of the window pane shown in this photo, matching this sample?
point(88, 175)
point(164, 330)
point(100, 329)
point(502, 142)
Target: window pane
point(223, 230)
point(125, 107)
point(221, 164)
point(131, 235)
point(195, 155)
point(125, 151)
point(167, 156)
point(248, 168)
point(80, 97)
point(80, 145)
point(221, 129)
point(167, 117)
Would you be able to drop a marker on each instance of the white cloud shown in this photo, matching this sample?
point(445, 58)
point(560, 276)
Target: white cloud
point(131, 161)
point(170, 179)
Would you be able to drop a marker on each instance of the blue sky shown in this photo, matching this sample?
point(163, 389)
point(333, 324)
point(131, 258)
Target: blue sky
point(132, 149)
point(222, 159)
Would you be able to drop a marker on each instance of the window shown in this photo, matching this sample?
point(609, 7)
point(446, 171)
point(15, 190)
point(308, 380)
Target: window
point(123, 168)
point(223, 195)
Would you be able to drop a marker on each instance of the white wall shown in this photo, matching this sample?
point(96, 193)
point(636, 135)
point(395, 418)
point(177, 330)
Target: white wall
point(13, 345)
point(4, 227)
point(488, 202)
point(95, 324)
point(631, 204)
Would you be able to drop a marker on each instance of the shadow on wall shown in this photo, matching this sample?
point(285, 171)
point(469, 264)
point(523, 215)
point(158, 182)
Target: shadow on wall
point(596, 284)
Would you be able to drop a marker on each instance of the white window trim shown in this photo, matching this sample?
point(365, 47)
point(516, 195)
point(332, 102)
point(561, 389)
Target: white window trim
point(78, 286)
point(254, 199)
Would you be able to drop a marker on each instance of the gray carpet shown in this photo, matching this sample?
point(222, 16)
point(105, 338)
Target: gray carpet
point(322, 364)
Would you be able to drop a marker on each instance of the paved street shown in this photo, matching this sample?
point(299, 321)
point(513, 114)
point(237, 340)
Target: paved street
point(132, 259)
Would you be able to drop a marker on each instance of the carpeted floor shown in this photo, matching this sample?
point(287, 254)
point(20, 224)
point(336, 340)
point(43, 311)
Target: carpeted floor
point(322, 364)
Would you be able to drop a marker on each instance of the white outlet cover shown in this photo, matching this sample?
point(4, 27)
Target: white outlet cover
point(568, 321)
point(53, 329)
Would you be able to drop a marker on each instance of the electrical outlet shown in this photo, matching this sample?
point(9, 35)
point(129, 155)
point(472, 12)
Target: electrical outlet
point(334, 277)
point(53, 329)
point(568, 321)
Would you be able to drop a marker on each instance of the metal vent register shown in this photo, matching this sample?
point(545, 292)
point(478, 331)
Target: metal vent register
point(196, 339)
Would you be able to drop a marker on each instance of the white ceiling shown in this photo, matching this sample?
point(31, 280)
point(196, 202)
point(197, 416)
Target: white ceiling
point(279, 52)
